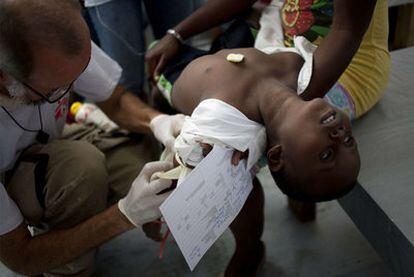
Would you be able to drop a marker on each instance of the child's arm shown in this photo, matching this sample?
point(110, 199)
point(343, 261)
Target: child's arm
point(213, 13)
point(350, 21)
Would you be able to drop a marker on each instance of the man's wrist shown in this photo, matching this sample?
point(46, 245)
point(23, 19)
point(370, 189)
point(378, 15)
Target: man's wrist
point(154, 119)
point(154, 114)
point(123, 221)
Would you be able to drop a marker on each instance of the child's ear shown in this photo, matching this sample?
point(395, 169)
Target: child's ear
point(275, 158)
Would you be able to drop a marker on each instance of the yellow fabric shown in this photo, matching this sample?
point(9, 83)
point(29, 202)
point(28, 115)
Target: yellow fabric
point(366, 77)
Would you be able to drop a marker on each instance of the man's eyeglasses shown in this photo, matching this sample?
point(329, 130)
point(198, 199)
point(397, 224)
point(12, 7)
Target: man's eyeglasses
point(54, 95)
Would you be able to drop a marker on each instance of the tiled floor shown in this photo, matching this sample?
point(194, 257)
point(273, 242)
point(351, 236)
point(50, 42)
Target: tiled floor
point(330, 246)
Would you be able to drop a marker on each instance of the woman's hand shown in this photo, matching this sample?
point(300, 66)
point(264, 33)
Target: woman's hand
point(159, 56)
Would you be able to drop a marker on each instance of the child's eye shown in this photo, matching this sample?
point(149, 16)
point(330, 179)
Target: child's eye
point(349, 140)
point(326, 155)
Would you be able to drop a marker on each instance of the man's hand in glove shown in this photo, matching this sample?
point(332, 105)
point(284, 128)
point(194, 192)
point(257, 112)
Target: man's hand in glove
point(141, 204)
point(166, 128)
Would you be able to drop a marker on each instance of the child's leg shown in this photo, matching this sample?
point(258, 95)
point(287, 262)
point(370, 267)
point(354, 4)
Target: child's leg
point(304, 211)
point(247, 229)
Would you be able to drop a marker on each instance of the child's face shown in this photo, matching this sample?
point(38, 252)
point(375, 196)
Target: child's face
point(318, 147)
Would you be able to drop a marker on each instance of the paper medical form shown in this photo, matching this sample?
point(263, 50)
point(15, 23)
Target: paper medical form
point(207, 201)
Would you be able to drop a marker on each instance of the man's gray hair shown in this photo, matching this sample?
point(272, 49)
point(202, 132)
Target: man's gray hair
point(25, 24)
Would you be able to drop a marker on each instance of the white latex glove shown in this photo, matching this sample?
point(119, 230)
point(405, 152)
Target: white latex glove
point(141, 204)
point(166, 128)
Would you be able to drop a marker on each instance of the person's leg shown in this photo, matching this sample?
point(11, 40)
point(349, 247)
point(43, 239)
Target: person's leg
point(92, 31)
point(125, 162)
point(125, 156)
point(303, 211)
point(247, 229)
point(59, 185)
point(119, 27)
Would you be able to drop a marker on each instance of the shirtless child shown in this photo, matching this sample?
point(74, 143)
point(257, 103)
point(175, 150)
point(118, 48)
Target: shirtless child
point(310, 149)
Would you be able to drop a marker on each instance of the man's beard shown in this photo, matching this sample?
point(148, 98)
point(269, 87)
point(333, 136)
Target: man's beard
point(17, 96)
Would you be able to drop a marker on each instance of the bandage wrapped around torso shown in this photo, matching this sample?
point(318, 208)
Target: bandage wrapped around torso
point(216, 122)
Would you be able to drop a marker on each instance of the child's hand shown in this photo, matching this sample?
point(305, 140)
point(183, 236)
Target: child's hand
point(238, 156)
point(152, 230)
point(235, 159)
point(206, 148)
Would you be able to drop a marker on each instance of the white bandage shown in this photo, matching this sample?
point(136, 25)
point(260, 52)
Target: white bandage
point(235, 58)
point(216, 122)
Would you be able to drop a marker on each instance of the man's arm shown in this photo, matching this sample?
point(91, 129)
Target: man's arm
point(350, 21)
point(128, 111)
point(33, 255)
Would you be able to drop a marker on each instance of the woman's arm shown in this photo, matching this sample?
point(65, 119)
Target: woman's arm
point(213, 13)
point(351, 19)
